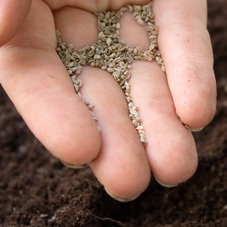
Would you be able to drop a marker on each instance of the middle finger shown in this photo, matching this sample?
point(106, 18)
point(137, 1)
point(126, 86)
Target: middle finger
point(122, 165)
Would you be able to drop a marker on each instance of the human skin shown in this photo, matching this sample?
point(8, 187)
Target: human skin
point(36, 81)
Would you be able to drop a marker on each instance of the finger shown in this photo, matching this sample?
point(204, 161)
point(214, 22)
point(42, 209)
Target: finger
point(122, 165)
point(170, 148)
point(12, 15)
point(45, 98)
point(38, 84)
point(186, 49)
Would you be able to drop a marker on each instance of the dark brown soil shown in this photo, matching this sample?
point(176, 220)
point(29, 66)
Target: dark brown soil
point(37, 190)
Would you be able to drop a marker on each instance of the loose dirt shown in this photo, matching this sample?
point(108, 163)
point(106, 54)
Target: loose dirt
point(37, 190)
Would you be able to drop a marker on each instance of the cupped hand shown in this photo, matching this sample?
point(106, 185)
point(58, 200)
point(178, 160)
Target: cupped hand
point(37, 82)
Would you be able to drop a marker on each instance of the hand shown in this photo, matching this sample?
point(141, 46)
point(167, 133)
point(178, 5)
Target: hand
point(36, 81)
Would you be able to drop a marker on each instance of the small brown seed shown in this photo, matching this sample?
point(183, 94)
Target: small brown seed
point(111, 53)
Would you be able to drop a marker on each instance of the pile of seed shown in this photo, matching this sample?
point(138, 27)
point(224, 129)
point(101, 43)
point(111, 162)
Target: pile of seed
point(110, 53)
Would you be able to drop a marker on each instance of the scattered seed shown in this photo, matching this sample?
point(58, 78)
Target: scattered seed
point(140, 21)
point(110, 70)
point(110, 53)
point(108, 41)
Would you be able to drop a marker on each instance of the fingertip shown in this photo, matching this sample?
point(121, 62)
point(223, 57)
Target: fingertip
point(77, 145)
point(172, 153)
point(119, 199)
point(123, 183)
point(63, 124)
point(198, 110)
point(175, 175)
point(164, 184)
point(127, 189)
point(178, 167)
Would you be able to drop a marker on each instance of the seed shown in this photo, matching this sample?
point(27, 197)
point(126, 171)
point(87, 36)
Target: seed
point(139, 127)
point(58, 33)
point(108, 41)
point(163, 68)
point(130, 8)
point(110, 70)
point(112, 64)
point(70, 72)
point(124, 9)
point(111, 53)
point(137, 8)
point(118, 25)
point(90, 106)
point(69, 65)
point(133, 111)
point(96, 57)
point(92, 64)
point(140, 21)
point(83, 61)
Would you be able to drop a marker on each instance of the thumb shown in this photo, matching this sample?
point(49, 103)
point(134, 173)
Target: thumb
point(12, 15)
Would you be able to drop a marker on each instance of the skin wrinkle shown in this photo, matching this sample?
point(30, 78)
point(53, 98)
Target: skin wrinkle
point(94, 5)
point(10, 24)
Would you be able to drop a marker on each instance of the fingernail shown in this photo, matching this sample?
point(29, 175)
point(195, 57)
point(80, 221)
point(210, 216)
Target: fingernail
point(120, 199)
point(166, 185)
point(74, 166)
point(190, 128)
point(193, 129)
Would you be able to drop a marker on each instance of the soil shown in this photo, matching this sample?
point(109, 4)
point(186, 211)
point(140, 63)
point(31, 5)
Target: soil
point(37, 190)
